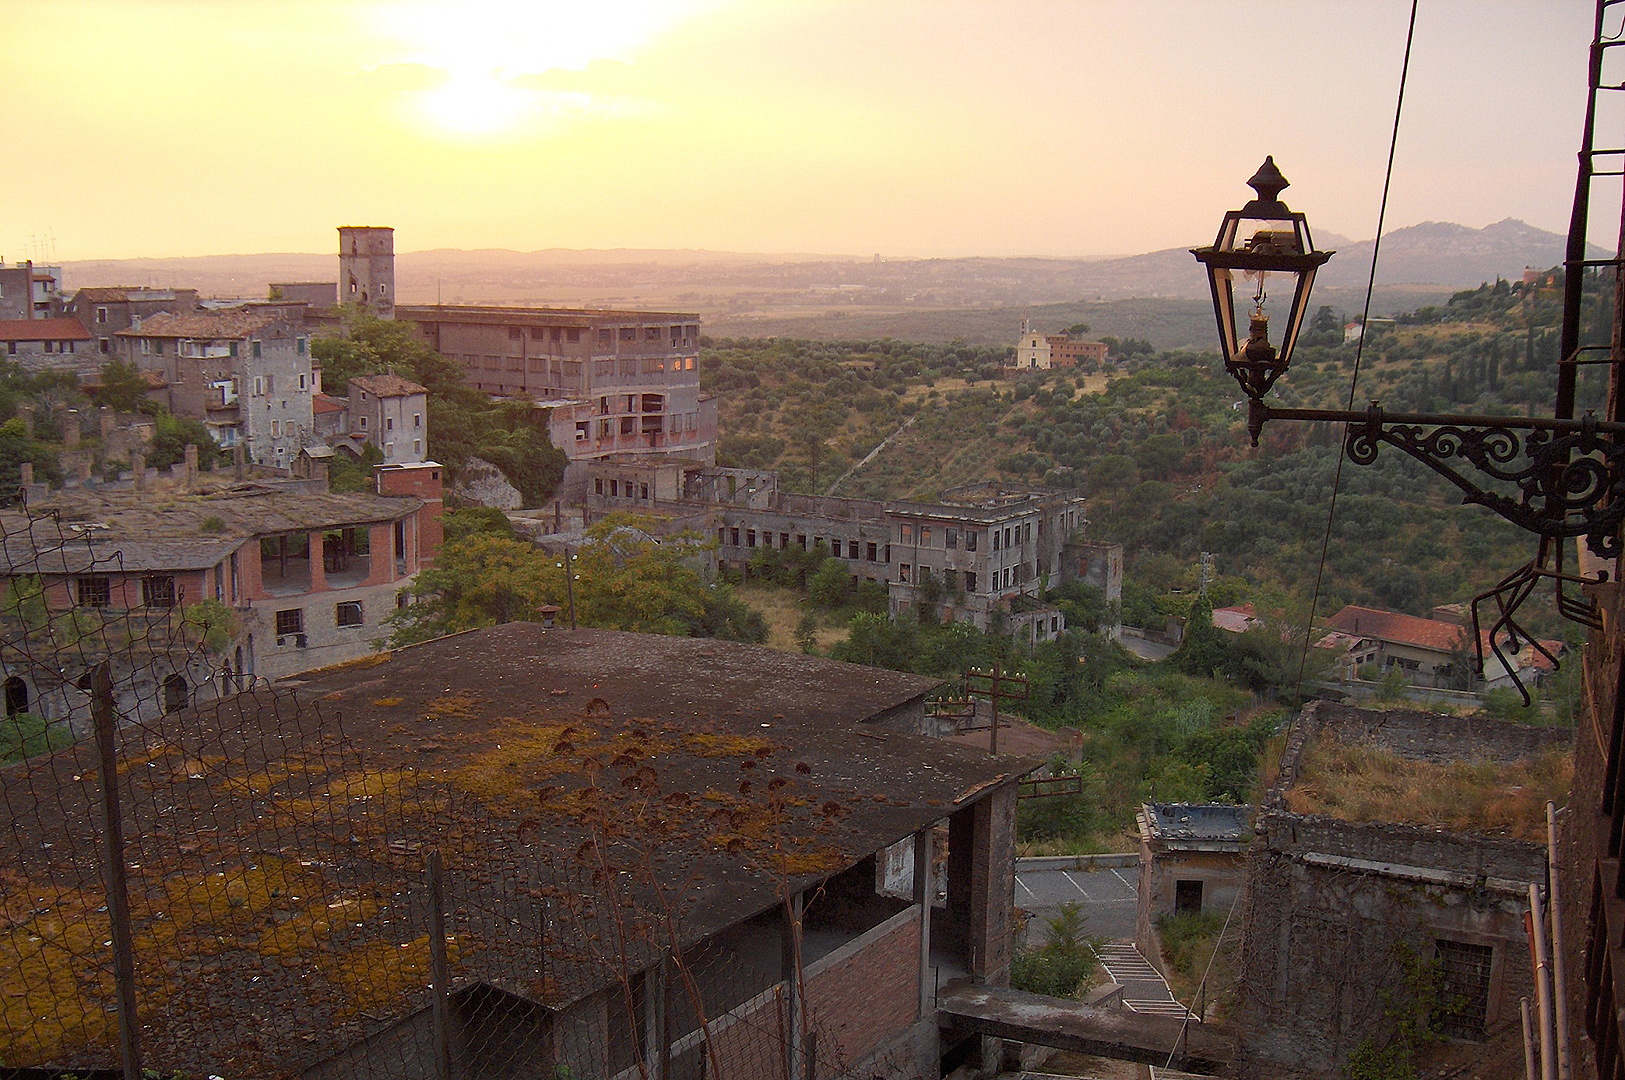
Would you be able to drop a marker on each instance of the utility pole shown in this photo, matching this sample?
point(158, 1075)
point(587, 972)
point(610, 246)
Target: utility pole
point(995, 685)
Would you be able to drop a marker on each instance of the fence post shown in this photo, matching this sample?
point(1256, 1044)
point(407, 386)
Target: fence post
point(437, 967)
point(118, 891)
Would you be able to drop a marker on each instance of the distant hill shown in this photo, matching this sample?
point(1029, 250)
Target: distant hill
point(738, 289)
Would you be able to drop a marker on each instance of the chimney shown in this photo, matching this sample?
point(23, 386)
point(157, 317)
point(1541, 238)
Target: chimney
point(238, 462)
point(138, 469)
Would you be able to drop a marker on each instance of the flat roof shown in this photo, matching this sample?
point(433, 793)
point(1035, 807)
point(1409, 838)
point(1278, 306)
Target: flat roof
point(1199, 821)
point(546, 316)
point(575, 783)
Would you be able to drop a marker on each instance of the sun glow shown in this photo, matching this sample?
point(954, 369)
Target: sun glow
point(488, 53)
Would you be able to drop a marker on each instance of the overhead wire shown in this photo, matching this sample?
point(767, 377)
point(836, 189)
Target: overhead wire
point(1359, 350)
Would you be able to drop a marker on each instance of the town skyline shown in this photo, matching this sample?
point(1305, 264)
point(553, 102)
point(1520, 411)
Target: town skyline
point(1081, 130)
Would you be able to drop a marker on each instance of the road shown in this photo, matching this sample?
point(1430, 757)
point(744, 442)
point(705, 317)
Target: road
point(1109, 897)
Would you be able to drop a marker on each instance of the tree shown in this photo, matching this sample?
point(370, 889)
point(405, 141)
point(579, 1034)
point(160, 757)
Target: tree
point(123, 388)
point(830, 584)
point(173, 434)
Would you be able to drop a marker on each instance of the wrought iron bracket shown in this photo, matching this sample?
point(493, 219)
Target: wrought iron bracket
point(1569, 474)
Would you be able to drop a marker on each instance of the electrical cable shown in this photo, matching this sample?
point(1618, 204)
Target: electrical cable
point(1359, 351)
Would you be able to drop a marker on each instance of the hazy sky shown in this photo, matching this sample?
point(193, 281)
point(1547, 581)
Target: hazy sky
point(906, 127)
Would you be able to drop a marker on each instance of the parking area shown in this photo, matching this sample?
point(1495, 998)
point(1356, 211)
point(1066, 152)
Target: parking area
point(1109, 896)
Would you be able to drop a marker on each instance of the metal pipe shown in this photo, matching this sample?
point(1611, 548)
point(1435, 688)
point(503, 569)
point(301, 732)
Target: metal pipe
point(1543, 986)
point(1530, 1071)
point(1261, 412)
point(105, 716)
point(1559, 993)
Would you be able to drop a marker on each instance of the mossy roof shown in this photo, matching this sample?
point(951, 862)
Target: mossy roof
point(594, 794)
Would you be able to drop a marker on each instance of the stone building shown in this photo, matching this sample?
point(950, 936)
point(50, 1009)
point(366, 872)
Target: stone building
point(366, 269)
point(1192, 859)
point(41, 344)
point(106, 311)
point(391, 413)
point(16, 291)
point(1351, 904)
point(1032, 351)
point(246, 373)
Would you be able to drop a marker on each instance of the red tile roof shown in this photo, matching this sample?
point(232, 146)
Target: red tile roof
point(323, 403)
point(387, 385)
point(43, 330)
point(1391, 626)
point(1236, 619)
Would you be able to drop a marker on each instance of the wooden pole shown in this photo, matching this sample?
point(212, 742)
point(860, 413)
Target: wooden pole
point(993, 699)
point(118, 893)
point(438, 968)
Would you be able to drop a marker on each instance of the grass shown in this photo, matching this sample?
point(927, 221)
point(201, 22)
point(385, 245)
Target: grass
point(25, 735)
point(1363, 783)
point(1188, 944)
point(783, 609)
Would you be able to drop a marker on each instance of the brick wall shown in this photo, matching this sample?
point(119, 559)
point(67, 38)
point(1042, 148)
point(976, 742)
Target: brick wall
point(865, 994)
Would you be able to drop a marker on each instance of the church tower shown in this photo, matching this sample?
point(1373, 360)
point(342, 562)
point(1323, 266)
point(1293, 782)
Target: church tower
point(367, 269)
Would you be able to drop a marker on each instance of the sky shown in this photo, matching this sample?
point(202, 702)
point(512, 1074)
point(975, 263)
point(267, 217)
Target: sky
point(928, 128)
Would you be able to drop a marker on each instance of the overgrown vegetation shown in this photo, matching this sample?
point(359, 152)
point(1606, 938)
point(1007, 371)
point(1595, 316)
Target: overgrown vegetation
point(25, 735)
point(1064, 963)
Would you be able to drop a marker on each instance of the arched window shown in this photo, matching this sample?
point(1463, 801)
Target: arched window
point(16, 696)
point(177, 695)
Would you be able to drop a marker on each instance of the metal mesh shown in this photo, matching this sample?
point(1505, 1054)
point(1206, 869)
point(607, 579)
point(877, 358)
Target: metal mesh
point(289, 906)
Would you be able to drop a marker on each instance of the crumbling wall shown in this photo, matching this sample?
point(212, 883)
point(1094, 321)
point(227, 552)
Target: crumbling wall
point(1334, 908)
point(1425, 736)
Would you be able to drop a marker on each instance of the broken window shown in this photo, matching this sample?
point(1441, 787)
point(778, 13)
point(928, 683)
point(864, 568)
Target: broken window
point(1187, 896)
point(1464, 989)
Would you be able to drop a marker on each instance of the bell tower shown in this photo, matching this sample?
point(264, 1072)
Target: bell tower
point(367, 269)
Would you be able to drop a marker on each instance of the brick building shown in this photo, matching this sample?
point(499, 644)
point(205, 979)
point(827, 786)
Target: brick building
point(737, 925)
point(1064, 352)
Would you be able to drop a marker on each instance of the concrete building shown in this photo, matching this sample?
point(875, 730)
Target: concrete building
point(744, 933)
point(367, 268)
point(391, 413)
point(613, 381)
point(1192, 859)
point(106, 311)
point(315, 295)
point(47, 344)
point(245, 373)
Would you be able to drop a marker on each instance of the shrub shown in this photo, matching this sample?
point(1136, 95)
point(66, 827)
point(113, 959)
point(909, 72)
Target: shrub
point(1062, 965)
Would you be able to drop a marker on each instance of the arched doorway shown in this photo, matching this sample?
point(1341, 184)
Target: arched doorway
point(177, 694)
point(16, 696)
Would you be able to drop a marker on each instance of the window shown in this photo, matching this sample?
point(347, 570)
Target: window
point(290, 621)
point(574, 334)
point(629, 333)
point(101, 316)
point(801, 538)
point(598, 485)
point(389, 423)
point(643, 493)
point(158, 591)
point(970, 581)
point(417, 446)
point(146, 346)
point(995, 539)
point(102, 345)
point(604, 337)
point(1464, 989)
point(950, 579)
point(951, 538)
point(515, 334)
point(95, 590)
point(256, 350)
point(158, 347)
point(348, 613)
point(299, 347)
point(784, 541)
point(1006, 536)
point(750, 537)
point(851, 549)
point(276, 428)
point(231, 348)
point(733, 537)
point(908, 534)
point(651, 333)
point(302, 378)
point(582, 431)
point(417, 421)
point(615, 488)
point(872, 553)
point(1187, 896)
point(363, 422)
point(903, 571)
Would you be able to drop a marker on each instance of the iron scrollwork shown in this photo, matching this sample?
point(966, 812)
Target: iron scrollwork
point(1570, 483)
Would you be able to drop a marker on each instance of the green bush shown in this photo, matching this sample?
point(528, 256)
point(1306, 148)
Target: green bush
point(25, 735)
point(1063, 964)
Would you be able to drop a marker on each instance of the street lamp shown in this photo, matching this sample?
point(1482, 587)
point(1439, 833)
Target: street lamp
point(1262, 239)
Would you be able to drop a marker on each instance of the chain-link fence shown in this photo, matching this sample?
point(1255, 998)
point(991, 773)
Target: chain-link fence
point(204, 876)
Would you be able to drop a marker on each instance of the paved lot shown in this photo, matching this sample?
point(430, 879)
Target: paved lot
point(1108, 895)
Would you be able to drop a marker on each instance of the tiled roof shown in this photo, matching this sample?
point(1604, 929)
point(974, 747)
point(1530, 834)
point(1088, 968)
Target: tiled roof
point(43, 330)
point(105, 294)
point(1235, 619)
point(321, 404)
point(387, 385)
point(1391, 626)
point(93, 379)
point(209, 324)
